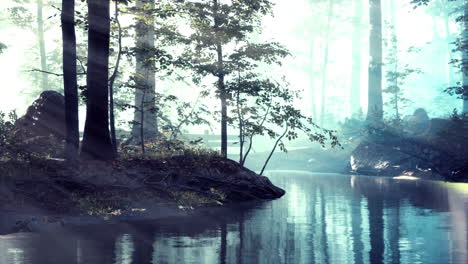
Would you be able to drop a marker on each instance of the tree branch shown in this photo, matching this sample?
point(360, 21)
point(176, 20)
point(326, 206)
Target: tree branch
point(54, 73)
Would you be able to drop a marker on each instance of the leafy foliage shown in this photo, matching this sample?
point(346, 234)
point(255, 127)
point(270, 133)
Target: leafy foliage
point(396, 76)
point(2, 47)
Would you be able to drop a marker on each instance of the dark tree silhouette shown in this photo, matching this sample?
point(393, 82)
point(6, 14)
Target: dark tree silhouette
point(97, 143)
point(70, 79)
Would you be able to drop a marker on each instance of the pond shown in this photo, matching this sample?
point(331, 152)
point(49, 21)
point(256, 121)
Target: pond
point(323, 218)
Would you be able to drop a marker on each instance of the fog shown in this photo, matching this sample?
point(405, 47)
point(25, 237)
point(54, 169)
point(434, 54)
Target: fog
point(301, 27)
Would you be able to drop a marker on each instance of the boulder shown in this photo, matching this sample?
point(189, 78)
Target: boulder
point(419, 122)
point(42, 129)
point(404, 157)
point(45, 116)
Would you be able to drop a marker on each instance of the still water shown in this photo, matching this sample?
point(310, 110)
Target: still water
point(323, 218)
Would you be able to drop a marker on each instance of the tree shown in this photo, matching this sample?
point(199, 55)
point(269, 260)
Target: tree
point(144, 126)
point(263, 107)
point(70, 79)
point(113, 77)
point(42, 49)
point(216, 26)
point(375, 102)
point(24, 18)
point(97, 143)
point(464, 60)
point(396, 75)
point(446, 11)
point(312, 78)
point(356, 59)
point(325, 61)
point(462, 47)
point(2, 47)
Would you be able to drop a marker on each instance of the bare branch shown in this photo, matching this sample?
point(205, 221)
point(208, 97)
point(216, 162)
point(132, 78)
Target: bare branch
point(53, 73)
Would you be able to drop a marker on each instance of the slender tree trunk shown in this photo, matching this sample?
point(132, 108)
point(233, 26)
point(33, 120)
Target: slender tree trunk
point(221, 84)
point(249, 148)
point(375, 103)
point(222, 96)
point(465, 58)
point(42, 49)
point(325, 62)
point(241, 127)
point(142, 123)
point(70, 79)
point(97, 143)
point(394, 43)
point(145, 77)
point(450, 72)
point(112, 80)
point(273, 149)
point(397, 108)
point(356, 59)
point(312, 79)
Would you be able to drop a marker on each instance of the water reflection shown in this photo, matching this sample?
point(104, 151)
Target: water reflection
point(324, 218)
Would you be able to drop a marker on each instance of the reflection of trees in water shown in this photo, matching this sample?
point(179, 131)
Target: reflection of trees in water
point(356, 229)
point(223, 247)
point(393, 230)
point(376, 230)
point(459, 220)
point(323, 224)
point(322, 219)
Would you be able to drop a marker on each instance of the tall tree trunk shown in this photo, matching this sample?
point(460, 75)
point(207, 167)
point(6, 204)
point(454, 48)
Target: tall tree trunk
point(221, 83)
point(145, 77)
point(112, 80)
point(394, 43)
point(97, 143)
point(448, 40)
point(375, 103)
point(355, 96)
point(70, 79)
point(465, 58)
point(42, 49)
point(241, 124)
point(223, 98)
point(312, 79)
point(325, 62)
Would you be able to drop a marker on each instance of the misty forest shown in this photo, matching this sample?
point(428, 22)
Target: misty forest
point(234, 131)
